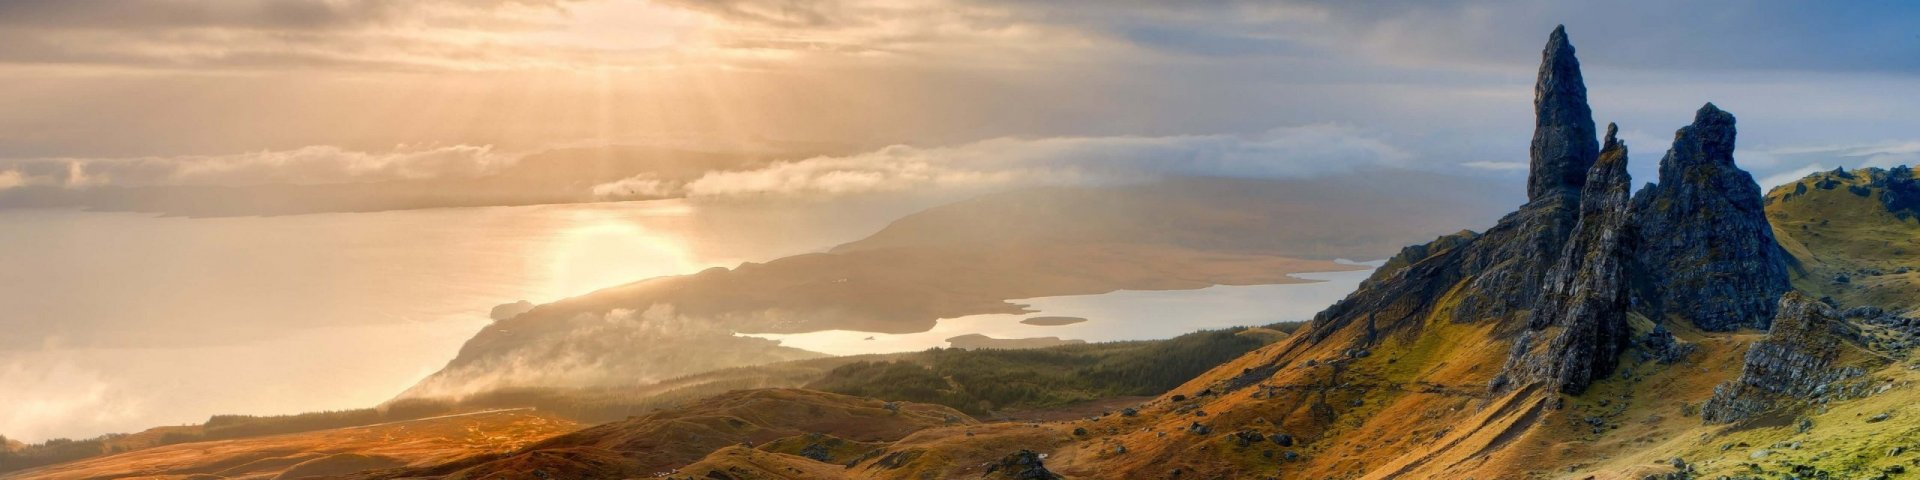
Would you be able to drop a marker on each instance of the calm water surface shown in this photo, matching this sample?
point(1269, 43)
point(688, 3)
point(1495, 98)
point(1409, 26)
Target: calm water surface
point(118, 321)
point(1121, 315)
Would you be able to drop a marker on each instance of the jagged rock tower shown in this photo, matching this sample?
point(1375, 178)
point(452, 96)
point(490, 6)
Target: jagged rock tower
point(1710, 254)
point(1382, 384)
point(1584, 302)
point(1563, 148)
point(1560, 276)
point(1504, 267)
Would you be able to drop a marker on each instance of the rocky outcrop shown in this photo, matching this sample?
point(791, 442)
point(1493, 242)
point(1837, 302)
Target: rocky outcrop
point(1710, 255)
point(1021, 465)
point(1504, 266)
point(1582, 307)
point(1415, 253)
point(1798, 361)
point(1563, 148)
point(1562, 274)
point(1659, 345)
point(1900, 192)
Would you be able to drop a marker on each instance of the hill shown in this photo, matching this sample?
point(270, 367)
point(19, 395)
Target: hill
point(1855, 233)
point(986, 382)
point(323, 452)
point(668, 439)
point(967, 258)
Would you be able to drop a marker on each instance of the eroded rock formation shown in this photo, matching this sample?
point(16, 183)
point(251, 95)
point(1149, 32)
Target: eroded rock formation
point(1563, 148)
point(1582, 306)
point(1710, 255)
point(1563, 273)
point(1798, 361)
point(1504, 267)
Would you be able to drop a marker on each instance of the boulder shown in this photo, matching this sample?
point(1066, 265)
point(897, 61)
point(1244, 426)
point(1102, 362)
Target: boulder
point(1021, 465)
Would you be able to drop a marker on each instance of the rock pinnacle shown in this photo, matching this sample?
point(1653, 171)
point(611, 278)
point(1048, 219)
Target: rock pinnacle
point(1563, 146)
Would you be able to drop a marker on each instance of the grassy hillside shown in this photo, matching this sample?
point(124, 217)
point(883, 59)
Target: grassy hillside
point(322, 452)
point(219, 427)
point(984, 381)
point(1855, 234)
point(662, 441)
point(974, 381)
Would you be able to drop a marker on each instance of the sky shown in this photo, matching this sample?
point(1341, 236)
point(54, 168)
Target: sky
point(903, 94)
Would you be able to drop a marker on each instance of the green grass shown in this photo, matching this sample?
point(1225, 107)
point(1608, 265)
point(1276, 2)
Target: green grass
point(1836, 231)
point(986, 381)
point(975, 381)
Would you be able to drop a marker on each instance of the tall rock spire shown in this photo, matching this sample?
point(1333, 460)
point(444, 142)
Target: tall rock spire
point(1563, 144)
point(1583, 302)
point(1710, 254)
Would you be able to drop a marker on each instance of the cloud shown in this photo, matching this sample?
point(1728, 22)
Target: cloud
point(1791, 163)
point(1294, 152)
point(303, 166)
point(1884, 154)
point(1783, 178)
point(1451, 77)
point(599, 349)
point(1453, 34)
point(48, 394)
point(1497, 166)
point(192, 35)
point(644, 185)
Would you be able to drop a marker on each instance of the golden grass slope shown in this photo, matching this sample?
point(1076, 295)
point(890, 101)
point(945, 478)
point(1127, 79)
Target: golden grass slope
point(663, 441)
point(1415, 407)
point(325, 452)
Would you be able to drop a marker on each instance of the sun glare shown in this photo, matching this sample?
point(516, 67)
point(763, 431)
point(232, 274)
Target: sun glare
point(603, 250)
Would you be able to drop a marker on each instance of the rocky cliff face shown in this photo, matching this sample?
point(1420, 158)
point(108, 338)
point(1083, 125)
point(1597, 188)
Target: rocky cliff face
point(1710, 255)
point(1582, 307)
point(1798, 361)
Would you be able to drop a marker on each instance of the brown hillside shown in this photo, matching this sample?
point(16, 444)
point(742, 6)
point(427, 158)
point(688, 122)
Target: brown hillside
point(665, 440)
point(326, 452)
